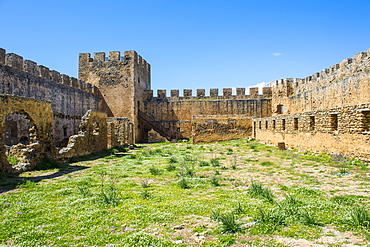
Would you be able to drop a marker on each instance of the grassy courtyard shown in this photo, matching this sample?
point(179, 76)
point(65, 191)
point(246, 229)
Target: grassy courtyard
point(237, 193)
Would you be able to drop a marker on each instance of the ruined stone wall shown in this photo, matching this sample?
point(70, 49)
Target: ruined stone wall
point(40, 116)
point(121, 81)
point(92, 136)
point(176, 113)
point(70, 98)
point(341, 130)
point(120, 132)
point(154, 137)
point(213, 128)
point(343, 84)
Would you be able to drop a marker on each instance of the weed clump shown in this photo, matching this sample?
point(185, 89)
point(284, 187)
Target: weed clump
point(360, 217)
point(154, 170)
point(229, 223)
point(170, 167)
point(257, 190)
point(215, 162)
point(183, 183)
point(203, 163)
point(215, 181)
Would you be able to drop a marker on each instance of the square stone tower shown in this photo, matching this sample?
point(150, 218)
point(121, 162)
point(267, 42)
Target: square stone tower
point(121, 82)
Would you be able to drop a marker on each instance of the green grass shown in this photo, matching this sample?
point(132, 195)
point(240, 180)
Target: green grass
point(136, 199)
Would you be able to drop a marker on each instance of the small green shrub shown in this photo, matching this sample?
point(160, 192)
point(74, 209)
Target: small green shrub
point(215, 162)
point(109, 193)
point(172, 160)
point(257, 190)
point(170, 167)
point(145, 183)
point(183, 183)
point(274, 216)
point(291, 200)
point(229, 224)
point(203, 163)
point(154, 170)
point(216, 215)
point(360, 217)
point(145, 194)
point(239, 209)
point(13, 160)
point(308, 218)
point(84, 189)
point(215, 181)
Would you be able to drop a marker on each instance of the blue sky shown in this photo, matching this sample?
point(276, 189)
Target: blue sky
point(191, 44)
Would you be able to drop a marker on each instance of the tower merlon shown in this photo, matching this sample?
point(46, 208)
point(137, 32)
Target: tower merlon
point(161, 94)
point(240, 91)
point(253, 92)
point(227, 92)
point(213, 93)
point(30, 67)
point(85, 57)
point(44, 72)
point(188, 92)
point(66, 80)
point(114, 56)
point(175, 93)
point(2, 56)
point(99, 56)
point(14, 60)
point(201, 93)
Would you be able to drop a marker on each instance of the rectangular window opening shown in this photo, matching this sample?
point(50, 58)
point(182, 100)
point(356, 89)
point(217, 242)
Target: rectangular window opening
point(295, 123)
point(312, 123)
point(283, 124)
point(333, 122)
point(267, 124)
point(273, 124)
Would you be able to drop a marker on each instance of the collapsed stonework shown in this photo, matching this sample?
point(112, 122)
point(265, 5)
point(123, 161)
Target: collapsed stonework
point(48, 115)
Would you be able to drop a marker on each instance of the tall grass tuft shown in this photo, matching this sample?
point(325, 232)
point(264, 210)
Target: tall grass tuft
point(360, 217)
point(257, 190)
point(229, 223)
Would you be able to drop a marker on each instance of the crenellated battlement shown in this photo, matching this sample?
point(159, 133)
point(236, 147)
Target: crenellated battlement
point(359, 63)
point(32, 68)
point(113, 57)
point(227, 93)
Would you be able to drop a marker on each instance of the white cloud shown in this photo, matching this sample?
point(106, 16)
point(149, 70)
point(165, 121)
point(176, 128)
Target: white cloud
point(277, 54)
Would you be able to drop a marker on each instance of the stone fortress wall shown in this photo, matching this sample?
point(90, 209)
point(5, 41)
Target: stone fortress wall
point(326, 112)
point(70, 98)
point(175, 113)
point(112, 104)
point(33, 96)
